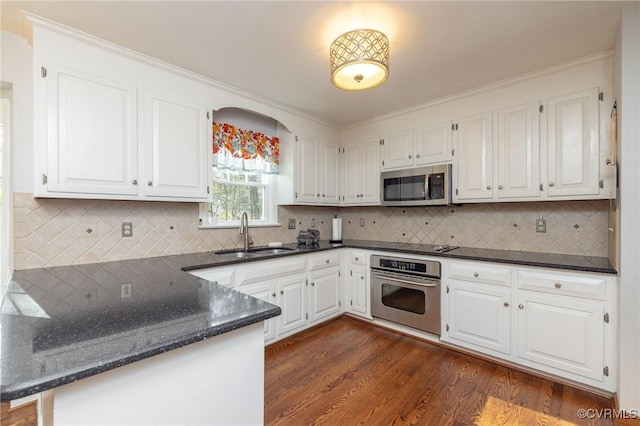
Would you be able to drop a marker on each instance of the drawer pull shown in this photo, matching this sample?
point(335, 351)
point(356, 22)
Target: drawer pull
point(558, 285)
point(149, 183)
point(326, 261)
point(135, 182)
point(475, 274)
point(488, 187)
point(521, 306)
point(281, 291)
point(273, 294)
point(362, 277)
point(313, 284)
point(356, 259)
point(506, 304)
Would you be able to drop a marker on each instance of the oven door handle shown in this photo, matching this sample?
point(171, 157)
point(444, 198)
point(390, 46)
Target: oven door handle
point(382, 277)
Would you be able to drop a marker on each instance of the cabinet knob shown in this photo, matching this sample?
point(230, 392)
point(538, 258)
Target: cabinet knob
point(318, 194)
point(326, 261)
point(558, 285)
point(521, 306)
point(273, 294)
point(552, 184)
point(281, 291)
point(506, 304)
point(475, 274)
point(410, 157)
point(362, 277)
point(323, 195)
point(356, 259)
point(417, 155)
point(149, 183)
point(500, 186)
point(488, 187)
point(313, 284)
point(135, 182)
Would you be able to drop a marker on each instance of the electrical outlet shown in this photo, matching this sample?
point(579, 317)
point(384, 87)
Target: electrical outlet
point(125, 290)
point(362, 221)
point(292, 224)
point(127, 229)
point(541, 224)
point(313, 223)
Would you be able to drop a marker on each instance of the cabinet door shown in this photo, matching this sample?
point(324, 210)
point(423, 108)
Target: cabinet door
point(474, 155)
point(291, 299)
point(397, 150)
point(576, 344)
point(324, 297)
point(307, 170)
point(358, 291)
point(433, 144)
point(266, 292)
point(353, 173)
point(480, 315)
point(330, 174)
point(573, 144)
point(177, 146)
point(518, 146)
point(371, 172)
point(91, 134)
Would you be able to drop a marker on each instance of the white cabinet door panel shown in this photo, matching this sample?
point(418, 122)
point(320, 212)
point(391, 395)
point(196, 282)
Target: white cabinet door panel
point(177, 147)
point(433, 144)
point(480, 315)
point(359, 290)
point(397, 150)
point(331, 174)
point(324, 294)
point(91, 133)
point(353, 173)
point(266, 292)
point(371, 172)
point(291, 299)
point(573, 144)
point(518, 145)
point(475, 157)
point(308, 168)
point(562, 333)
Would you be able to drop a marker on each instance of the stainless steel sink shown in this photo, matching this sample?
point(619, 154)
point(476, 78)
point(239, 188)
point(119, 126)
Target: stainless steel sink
point(255, 252)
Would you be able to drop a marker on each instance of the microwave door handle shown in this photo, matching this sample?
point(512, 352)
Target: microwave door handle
point(426, 187)
point(404, 281)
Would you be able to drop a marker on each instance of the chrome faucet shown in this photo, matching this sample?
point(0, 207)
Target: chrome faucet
point(244, 229)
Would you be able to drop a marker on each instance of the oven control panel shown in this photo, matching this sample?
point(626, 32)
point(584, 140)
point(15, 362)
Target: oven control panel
point(426, 268)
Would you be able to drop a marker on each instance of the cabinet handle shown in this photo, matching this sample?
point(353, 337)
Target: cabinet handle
point(273, 294)
point(506, 304)
point(149, 183)
point(488, 187)
point(326, 261)
point(475, 274)
point(323, 195)
point(281, 291)
point(318, 194)
point(361, 277)
point(356, 259)
point(558, 285)
point(135, 182)
point(410, 157)
point(500, 186)
point(521, 306)
point(313, 284)
point(552, 184)
point(417, 155)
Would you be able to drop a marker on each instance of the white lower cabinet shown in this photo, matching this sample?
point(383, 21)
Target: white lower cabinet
point(562, 333)
point(480, 315)
point(266, 292)
point(291, 299)
point(324, 293)
point(358, 289)
point(557, 322)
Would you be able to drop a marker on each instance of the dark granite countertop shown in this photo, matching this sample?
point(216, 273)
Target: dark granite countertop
point(66, 323)
point(546, 260)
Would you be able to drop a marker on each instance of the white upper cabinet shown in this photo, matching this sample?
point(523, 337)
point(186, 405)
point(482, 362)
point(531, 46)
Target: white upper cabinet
point(573, 144)
point(317, 172)
point(474, 153)
point(417, 147)
point(362, 173)
point(518, 150)
point(175, 148)
point(91, 134)
point(433, 144)
point(397, 150)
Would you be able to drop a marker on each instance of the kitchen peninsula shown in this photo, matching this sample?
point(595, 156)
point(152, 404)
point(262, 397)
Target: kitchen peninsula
point(170, 347)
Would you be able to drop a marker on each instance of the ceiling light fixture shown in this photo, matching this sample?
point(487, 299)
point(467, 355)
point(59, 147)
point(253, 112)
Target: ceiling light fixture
point(359, 59)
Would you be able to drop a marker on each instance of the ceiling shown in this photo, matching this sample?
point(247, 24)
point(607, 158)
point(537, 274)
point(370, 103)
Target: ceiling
point(280, 49)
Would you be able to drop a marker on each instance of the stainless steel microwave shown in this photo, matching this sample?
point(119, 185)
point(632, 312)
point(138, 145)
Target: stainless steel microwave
point(422, 186)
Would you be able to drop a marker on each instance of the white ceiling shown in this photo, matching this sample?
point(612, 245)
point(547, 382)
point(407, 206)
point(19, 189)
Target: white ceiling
point(280, 49)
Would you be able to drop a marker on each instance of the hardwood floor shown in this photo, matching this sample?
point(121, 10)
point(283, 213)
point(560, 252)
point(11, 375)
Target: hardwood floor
point(346, 372)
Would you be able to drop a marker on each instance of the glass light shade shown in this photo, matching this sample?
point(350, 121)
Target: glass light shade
point(359, 59)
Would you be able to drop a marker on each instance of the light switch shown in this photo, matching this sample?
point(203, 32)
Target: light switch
point(541, 224)
point(292, 224)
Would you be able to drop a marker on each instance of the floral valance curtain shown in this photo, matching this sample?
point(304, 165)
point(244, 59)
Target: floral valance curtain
point(244, 150)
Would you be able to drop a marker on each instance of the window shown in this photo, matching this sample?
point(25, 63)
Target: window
point(236, 191)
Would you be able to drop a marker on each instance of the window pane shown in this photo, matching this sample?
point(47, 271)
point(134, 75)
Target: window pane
point(254, 178)
point(237, 176)
point(232, 200)
point(219, 174)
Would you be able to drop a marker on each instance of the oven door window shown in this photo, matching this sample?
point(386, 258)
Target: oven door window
point(403, 298)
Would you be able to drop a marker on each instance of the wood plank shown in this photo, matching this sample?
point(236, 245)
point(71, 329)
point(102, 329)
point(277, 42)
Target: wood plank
point(347, 372)
point(22, 415)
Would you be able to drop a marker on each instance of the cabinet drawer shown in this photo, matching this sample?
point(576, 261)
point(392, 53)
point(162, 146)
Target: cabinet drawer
point(220, 276)
point(329, 258)
point(252, 272)
point(358, 258)
point(480, 273)
point(566, 284)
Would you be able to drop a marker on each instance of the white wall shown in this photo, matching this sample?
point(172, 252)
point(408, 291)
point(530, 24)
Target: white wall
point(629, 159)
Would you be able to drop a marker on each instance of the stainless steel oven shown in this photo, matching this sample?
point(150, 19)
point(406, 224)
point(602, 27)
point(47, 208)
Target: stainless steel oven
point(406, 291)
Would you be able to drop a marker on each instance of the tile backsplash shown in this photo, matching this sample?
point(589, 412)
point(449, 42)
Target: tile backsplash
point(53, 232)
